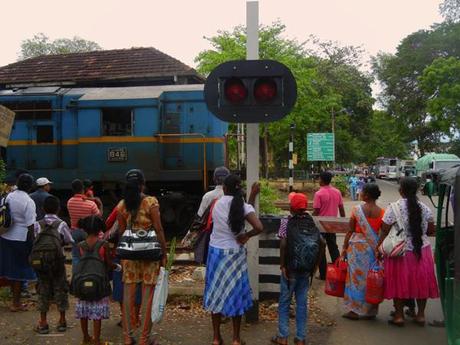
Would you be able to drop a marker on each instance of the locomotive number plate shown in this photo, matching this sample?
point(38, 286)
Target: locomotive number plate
point(118, 154)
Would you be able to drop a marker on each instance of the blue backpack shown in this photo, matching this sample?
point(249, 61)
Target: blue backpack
point(303, 243)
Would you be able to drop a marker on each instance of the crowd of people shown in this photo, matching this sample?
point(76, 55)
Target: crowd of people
point(36, 224)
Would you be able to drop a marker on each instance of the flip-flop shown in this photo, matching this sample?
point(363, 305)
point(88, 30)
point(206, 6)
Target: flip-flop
point(397, 324)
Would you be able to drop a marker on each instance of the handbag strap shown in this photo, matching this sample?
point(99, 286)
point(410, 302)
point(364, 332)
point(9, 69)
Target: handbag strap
point(395, 207)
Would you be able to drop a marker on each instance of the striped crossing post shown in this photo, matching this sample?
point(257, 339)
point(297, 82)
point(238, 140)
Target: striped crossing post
point(291, 161)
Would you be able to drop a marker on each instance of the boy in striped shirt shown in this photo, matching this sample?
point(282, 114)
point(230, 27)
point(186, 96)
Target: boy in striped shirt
point(79, 207)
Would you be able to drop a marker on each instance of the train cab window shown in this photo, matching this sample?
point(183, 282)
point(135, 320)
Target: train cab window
point(45, 134)
point(117, 122)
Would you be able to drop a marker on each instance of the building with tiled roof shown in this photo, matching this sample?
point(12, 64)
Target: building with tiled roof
point(104, 68)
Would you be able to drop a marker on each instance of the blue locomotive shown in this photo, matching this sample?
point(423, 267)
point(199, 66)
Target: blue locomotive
point(100, 133)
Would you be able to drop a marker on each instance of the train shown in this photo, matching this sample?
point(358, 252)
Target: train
point(99, 133)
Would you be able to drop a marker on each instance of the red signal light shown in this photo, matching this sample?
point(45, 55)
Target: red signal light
point(265, 90)
point(235, 90)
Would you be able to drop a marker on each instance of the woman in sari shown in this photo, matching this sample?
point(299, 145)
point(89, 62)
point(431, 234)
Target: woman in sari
point(359, 248)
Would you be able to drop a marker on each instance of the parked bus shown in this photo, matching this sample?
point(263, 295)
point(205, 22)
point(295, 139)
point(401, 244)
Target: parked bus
point(393, 167)
point(381, 167)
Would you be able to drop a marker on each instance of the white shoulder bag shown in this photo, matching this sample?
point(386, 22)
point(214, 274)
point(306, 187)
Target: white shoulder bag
point(394, 244)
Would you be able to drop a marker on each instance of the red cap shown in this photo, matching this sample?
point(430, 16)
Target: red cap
point(291, 195)
point(299, 202)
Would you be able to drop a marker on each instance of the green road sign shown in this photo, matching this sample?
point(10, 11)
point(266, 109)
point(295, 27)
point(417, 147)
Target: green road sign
point(320, 147)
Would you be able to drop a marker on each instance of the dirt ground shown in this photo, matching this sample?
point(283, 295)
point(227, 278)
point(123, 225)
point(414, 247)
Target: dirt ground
point(185, 322)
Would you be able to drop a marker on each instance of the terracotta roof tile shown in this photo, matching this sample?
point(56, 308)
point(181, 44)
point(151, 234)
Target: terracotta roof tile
point(103, 65)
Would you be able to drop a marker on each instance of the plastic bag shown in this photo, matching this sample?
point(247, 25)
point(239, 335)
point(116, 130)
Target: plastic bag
point(375, 285)
point(160, 296)
point(336, 276)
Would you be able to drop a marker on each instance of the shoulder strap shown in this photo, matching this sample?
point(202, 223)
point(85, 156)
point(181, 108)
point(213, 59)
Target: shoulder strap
point(395, 207)
point(369, 234)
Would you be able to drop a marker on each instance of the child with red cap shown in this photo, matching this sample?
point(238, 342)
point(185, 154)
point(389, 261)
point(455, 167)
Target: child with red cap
point(300, 250)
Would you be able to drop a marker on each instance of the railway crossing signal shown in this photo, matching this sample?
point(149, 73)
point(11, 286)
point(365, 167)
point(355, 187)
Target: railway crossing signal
point(250, 91)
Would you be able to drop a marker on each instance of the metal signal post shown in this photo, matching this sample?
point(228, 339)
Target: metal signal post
point(253, 154)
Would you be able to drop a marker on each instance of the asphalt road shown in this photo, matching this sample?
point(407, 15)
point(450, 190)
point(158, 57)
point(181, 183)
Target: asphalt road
point(378, 332)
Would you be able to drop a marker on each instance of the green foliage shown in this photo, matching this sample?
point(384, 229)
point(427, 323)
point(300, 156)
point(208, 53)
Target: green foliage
point(3, 186)
point(450, 10)
point(403, 95)
point(172, 254)
point(2, 170)
point(267, 198)
point(385, 139)
point(340, 182)
point(41, 44)
point(441, 81)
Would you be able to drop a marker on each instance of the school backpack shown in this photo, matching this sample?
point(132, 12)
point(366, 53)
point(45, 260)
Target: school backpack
point(46, 256)
point(90, 282)
point(303, 243)
point(5, 215)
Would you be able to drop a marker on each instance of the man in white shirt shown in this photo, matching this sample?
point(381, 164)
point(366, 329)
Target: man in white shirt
point(220, 173)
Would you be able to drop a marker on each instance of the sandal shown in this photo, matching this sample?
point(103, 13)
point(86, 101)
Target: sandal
point(299, 342)
point(396, 323)
point(437, 323)
point(22, 307)
point(62, 327)
point(279, 341)
point(221, 342)
point(42, 329)
point(351, 316)
point(419, 322)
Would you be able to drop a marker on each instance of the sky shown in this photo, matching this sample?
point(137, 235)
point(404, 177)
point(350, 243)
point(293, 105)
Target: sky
point(178, 27)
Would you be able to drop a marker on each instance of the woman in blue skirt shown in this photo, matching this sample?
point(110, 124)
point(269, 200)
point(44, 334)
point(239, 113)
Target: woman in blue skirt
point(16, 243)
point(227, 290)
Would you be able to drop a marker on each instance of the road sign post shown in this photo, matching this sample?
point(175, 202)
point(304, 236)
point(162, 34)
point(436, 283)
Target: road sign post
point(252, 146)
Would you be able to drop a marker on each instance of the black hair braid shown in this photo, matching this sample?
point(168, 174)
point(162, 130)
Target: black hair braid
point(236, 213)
point(409, 189)
point(132, 196)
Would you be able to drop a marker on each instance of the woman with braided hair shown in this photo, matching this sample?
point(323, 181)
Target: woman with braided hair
point(227, 291)
point(410, 276)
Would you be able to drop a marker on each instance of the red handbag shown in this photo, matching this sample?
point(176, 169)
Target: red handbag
point(336, 275)
point(375, 285)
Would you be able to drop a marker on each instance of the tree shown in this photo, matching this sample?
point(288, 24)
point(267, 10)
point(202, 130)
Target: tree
point(441, 82)
point(450, 10)
point(327, 84)
point(385, 139)
point(40, 44)
point(403, 96)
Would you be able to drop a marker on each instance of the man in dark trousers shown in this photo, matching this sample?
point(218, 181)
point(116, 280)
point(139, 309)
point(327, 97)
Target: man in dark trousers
point(328, 202)
point(39, 196)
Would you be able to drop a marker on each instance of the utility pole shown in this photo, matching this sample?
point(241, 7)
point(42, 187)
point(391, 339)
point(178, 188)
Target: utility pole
point(291, 154)
point(253, 156)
